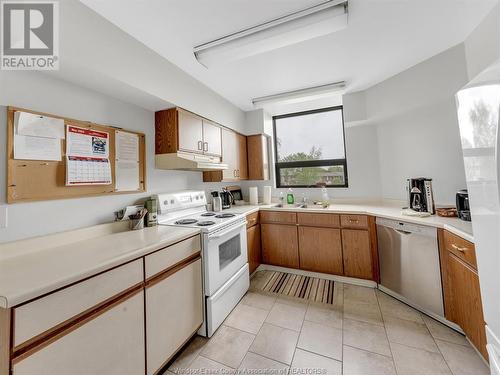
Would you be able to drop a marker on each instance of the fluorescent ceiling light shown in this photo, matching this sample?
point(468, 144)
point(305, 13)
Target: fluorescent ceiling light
point(301, 95)
point(322, 19)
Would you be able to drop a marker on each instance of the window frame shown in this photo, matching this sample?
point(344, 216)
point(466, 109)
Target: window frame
point(309, 163)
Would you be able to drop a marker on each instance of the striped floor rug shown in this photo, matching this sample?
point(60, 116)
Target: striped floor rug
point(298, 286)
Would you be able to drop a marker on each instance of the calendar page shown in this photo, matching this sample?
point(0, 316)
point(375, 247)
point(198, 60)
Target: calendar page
point(87, 171)
point(87, 157)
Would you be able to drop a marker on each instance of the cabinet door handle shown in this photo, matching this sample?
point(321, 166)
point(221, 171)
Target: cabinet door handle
point(353, 220)
point(200, 145)
point(205, 146)
point(458, 248)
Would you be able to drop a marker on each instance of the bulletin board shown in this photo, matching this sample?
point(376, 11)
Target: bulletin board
point(37, 180)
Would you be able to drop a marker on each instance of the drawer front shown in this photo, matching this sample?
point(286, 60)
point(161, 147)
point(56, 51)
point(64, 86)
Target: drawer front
point(278, 217)
point(252, 219)
point(354, 221)
point(112, 343)
point(318, 220)
point(43, 314)
point(463, 249)
point(166, 258)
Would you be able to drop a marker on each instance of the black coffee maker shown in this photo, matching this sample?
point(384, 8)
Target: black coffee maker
point(463, 208)
point(227, 198)
point(420, 195)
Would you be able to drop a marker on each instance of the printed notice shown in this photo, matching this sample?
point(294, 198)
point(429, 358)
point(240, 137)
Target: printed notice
point(87, 157)
point(127, 161)
point(37, 148)
point(87, 143)
point(29, 124)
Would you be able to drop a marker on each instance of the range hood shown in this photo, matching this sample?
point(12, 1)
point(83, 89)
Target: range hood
point(189, 162)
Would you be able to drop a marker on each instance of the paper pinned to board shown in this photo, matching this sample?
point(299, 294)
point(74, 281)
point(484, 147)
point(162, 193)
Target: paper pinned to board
point(87, 157)
point(87, 143)
point(127, 161)
point(37, 148)
point(29, 124)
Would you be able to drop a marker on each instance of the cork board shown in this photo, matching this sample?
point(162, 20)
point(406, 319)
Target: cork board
point(34, 180)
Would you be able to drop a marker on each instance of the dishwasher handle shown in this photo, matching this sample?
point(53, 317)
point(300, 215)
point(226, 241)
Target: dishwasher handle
point(405, 232)
point(405, 227)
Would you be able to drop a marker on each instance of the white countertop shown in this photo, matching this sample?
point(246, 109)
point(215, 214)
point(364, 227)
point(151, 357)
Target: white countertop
point(379, 209)
point(28, 268)
point(26, 273)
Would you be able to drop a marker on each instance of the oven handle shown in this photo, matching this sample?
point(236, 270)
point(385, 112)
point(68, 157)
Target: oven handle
point(218, 235)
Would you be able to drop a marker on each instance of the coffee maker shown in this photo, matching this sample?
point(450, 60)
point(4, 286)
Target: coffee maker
point(463, 208)
point(420, 195)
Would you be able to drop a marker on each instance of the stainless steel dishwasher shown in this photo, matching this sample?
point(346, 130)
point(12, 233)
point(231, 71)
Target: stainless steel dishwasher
point(409, 265)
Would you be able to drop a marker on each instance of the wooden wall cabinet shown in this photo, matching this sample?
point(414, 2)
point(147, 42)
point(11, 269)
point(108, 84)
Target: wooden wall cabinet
point(234, 154)
point(462, 294)
point(258, 157)
point(253, 241)
point(180, 130)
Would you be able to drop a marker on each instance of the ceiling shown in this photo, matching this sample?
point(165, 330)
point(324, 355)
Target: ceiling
point(383, 38)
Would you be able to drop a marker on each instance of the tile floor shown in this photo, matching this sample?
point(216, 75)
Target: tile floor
point(365, 332)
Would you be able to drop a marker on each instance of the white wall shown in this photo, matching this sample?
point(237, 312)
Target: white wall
point(414, 115)
point(482, 47)
point(422, 143)
point(97, 54)
point(36, 91)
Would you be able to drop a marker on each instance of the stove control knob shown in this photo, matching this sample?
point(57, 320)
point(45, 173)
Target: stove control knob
point(165, 202)
point(171, 201)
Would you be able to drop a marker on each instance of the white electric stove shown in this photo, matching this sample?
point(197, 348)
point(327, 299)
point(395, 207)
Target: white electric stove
point(224, 251)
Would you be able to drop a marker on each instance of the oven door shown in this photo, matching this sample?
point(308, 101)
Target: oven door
point(224, 252)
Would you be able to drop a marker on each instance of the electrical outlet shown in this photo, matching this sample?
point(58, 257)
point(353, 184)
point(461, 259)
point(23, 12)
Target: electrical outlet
point(3, 216)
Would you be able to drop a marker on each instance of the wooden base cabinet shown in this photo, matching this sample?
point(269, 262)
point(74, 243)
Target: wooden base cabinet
point(467, 310)
point(320, 250)
point(112, 343)
point(253, 242)
point(357, 254)
point(462, 294)
point(280, 245)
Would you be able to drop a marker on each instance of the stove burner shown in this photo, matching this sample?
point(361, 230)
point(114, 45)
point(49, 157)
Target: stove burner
point(208, 214)
point(186, 221)
point(224, 216)
point(206, 223)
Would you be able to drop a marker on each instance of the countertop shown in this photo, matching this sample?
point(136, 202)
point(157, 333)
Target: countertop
point(379, 209)
point(26, 273)
point(28, 268)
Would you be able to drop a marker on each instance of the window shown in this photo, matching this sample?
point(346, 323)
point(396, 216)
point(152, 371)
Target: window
point(310, 149)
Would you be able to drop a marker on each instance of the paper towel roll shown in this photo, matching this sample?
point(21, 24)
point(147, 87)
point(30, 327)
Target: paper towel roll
point(254, 195)
point(267, 195)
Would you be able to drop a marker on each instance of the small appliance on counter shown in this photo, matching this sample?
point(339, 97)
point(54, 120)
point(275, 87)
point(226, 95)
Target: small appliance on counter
point(216, 201)
point(151, 205)
point(463, 208)
point(227, 198)
point(420, 195)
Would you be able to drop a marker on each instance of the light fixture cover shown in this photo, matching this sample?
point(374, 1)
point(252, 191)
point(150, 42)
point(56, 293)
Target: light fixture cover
point(301, 95)
point(319, 20)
